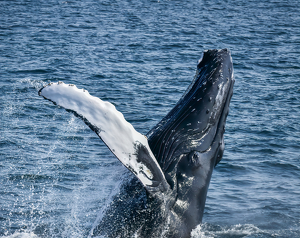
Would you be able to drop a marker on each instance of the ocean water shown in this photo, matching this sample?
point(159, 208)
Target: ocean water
point(57, 177)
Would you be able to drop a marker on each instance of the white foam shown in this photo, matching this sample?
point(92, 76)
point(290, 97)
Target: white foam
point(205, 231)
point(21, 235)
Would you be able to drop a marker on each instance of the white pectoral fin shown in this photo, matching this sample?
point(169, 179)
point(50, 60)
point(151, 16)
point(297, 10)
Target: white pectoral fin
point(128, 145)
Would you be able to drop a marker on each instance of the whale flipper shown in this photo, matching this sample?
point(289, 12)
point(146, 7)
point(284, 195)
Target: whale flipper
point(128, 145)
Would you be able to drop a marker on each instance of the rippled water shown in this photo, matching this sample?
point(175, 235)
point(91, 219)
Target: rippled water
point(57, 177)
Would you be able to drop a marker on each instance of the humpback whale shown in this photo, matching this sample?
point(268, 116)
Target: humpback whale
point(172, 165)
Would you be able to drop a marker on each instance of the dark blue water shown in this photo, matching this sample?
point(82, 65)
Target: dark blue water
point(57, 177)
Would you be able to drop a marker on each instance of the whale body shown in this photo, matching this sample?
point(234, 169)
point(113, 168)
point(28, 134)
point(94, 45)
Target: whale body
point(172, 165)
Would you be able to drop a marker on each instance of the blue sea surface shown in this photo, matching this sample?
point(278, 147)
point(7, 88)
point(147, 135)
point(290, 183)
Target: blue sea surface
point(57, 177)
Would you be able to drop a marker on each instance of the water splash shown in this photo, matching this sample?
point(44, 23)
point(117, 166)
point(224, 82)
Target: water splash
point(213, 231)
point(21, 235)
